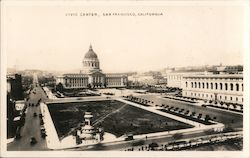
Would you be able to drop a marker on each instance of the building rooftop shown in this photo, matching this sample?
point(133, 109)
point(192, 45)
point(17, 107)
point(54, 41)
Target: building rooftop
point(90, 54)
point(231, 76)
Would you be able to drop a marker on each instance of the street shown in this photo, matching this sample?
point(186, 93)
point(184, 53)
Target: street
point(31, 127)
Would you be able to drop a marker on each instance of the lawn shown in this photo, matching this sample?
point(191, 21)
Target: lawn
point(116, 117)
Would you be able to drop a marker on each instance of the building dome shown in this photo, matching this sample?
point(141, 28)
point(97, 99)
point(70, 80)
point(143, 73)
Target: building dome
point(90, 53)
point(90, 62)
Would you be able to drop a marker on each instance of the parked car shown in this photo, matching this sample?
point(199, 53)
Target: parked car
point(33, 140)
point(129, 137)
point(42, 128)
point(41, 122)
point(43, 134)
point(40, 115)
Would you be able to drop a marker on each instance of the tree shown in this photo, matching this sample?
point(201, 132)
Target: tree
point(187, 112)
point(193, 113)
point(59, 87)
point(221, 103)
point(89, 86)
point(199, 116)
point(241, 107)
point(207, 118)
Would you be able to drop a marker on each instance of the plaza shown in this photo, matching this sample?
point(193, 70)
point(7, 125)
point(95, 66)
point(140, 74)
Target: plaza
point(116, 118)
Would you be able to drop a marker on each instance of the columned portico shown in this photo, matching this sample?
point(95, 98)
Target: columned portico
point(226, 88)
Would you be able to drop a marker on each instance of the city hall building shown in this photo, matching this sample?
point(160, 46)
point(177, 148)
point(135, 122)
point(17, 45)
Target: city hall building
point(219, 87)
point(91, 76)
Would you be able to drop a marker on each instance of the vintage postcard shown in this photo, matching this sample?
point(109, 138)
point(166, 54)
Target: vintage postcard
point(125, 79)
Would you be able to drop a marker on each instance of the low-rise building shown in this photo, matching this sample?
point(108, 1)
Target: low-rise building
point(219, 87)
point(174, 79)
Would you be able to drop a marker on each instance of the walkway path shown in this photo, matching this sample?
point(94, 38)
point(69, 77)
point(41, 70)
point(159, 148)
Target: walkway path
point(113, 112)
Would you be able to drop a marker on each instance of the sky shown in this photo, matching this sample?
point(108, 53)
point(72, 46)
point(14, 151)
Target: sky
point(44, 37)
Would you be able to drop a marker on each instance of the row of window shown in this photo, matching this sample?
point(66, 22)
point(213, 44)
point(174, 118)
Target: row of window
point(115, 83)
point(175, 77)
point(217, 86)
point(211, 96)
point(76, 81)
point(113, 79)
point(91, 64)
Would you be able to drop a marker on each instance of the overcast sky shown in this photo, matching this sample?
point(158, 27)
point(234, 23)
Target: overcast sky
point(43, 37)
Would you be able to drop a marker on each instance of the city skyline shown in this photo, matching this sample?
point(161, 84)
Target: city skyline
point(207, 35)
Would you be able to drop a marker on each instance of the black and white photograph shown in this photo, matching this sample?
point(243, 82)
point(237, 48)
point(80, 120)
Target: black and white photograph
point(125, 79)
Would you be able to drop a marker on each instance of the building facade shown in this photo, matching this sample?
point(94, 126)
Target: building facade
point(175, 79)
point(220, 87)
point(91, 76)
point(14, 86)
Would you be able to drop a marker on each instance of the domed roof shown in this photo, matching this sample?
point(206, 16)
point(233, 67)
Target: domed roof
point(90, 53)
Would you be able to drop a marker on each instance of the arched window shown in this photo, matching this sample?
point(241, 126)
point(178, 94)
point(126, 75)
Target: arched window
point(211, 85)
point(192, 85)
point(207, 86)
point(199, 85)
point(186, 84)
point(242, 87)
point(231, 87)
point(216, 86)
point(195, 85)
point(226, 86)
point(203, 85)
point(237, 87)
point(220, 86)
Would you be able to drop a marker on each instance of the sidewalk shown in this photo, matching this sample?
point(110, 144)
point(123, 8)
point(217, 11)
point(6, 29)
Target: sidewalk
point(52, 137)
point(49, 93)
